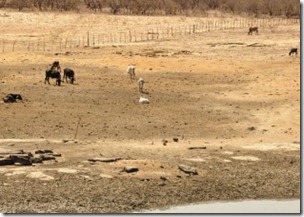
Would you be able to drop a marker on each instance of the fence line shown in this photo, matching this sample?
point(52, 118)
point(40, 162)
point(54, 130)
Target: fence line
point(91, 39)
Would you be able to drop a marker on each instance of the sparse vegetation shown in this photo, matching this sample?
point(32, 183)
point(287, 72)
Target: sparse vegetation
point(288, 8)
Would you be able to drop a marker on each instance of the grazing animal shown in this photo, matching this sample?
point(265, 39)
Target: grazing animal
point(131, 71)
point(52, 74)
point(253, 29)
point(293, 51)
point(10, 98)
point(68, 73)
point(141, 84)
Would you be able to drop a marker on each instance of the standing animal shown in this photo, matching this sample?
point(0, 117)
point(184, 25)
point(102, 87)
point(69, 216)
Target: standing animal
point(131, 71)
point(56, 66)
point(253, 29)
point(69, 73)
point(141, 84)
point(52, 74)
point(293, 51)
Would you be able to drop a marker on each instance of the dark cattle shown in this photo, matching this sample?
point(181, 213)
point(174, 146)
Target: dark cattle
point(12, 98)
point(293, 51)
point(69, 74)
point(253, 29)
point(56, 66)
point(52, 74)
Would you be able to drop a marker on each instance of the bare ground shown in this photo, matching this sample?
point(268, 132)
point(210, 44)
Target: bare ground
point(238, 96)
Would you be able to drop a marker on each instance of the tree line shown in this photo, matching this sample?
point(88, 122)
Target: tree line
point(256, 8)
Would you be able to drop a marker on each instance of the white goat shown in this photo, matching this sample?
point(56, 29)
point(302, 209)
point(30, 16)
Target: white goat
point(140, 84)
point(131, 71)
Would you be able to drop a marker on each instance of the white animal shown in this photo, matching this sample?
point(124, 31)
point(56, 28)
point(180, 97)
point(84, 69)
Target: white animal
point(140, 84)
point(144, 100)
point(131, 71)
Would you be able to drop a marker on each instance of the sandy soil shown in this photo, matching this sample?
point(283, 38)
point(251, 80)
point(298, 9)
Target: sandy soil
point(232, 100)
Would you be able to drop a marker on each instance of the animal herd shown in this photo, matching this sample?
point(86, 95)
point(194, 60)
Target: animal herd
point(55, 70)
point(68, 74)
point(293, 51)
point(131, 73)
point(55, 73)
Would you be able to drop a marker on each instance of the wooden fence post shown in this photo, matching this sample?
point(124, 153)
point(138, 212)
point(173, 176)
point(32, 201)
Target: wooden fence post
point(88, 39)
point(130, 35)
point(14, 45)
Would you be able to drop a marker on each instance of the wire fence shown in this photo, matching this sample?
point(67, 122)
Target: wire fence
point(95, 40)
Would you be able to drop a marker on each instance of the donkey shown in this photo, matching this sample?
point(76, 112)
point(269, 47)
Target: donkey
point(293, 51)
point(253, 29)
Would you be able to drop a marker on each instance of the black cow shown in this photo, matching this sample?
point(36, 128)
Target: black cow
point(69, 73)
point(293, 51)
point(56, 66)
point(12, 98)
point(52, 74)
point(253, 29)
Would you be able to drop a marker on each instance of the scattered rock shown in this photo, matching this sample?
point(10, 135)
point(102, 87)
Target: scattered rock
point(6, 161)
point(13, 152)
point(105, 160)
point(20, 157)
point(44, 151)
point(46, 157)
point(175, 139)
point(164, 141)
point(251, 128)
point(23, 159)
point(194, 148)
point(57, 155)
point(130, 169)
point(162, 184)
point(163, 178)
point(36, 159)
point(187, 169)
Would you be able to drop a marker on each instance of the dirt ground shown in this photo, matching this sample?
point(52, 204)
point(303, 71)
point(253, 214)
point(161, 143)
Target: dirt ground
point(231, 100)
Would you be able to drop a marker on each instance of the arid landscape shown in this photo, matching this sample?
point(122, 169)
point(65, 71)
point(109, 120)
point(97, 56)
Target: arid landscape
point(223, 122)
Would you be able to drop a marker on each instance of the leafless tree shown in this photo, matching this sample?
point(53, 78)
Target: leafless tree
point(270, 6)
point(95, 4)
point(20, 4)
point(230, 5)
point(115, 6)
point(252, 7)
point(2, 3)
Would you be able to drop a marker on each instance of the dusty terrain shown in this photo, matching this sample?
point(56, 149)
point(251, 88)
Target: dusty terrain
point(233, 97)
